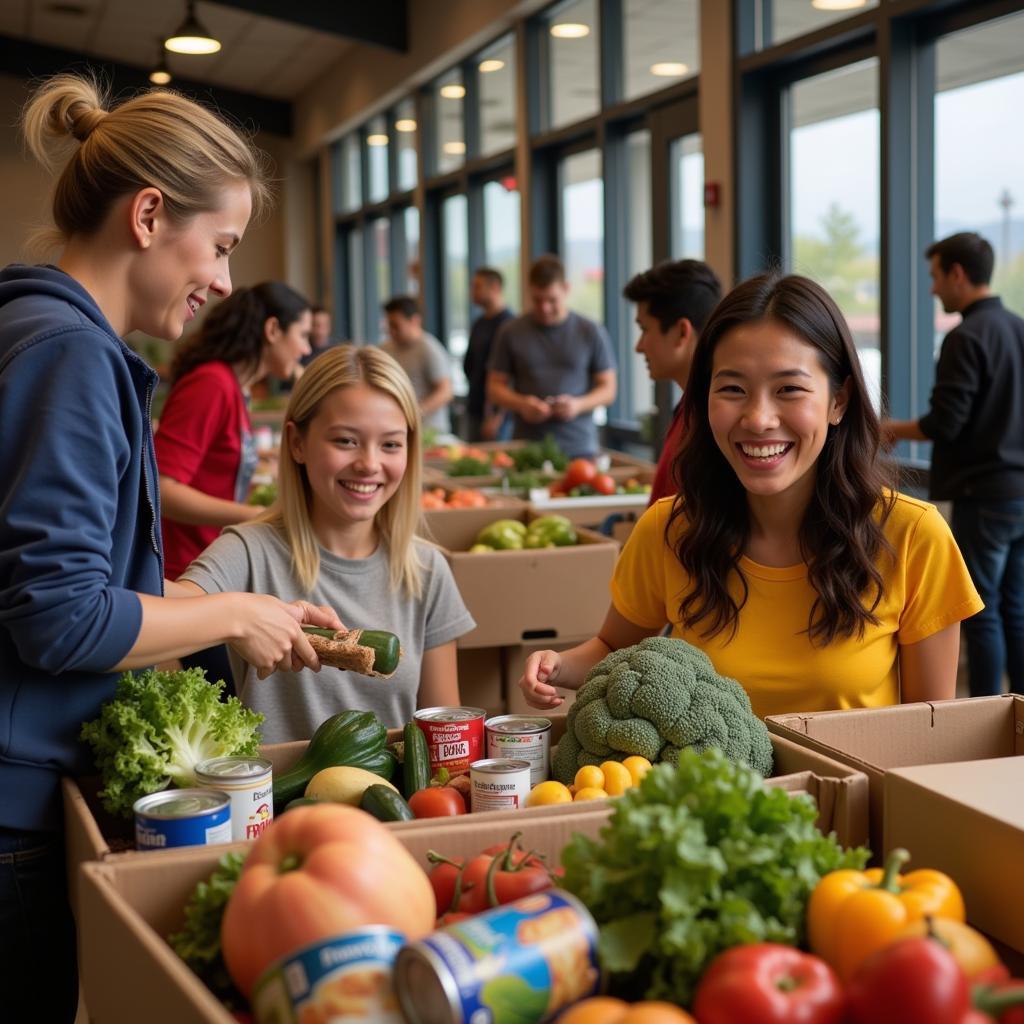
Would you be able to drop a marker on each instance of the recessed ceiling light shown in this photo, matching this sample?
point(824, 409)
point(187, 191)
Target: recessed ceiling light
point(570, 30)
point(837, 5)
point(454, 148)
point(669, 69)
point(376, 139)
point(405, 124)
point(487, 66)
point(453, 92)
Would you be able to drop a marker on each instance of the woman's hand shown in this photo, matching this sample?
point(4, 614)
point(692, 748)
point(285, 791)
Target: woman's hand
point(541, 670)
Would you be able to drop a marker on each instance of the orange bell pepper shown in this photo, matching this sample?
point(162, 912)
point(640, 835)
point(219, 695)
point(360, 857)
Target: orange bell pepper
point(853, 913)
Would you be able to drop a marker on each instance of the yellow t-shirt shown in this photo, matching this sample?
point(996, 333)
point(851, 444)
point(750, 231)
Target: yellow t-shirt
point(925, 589)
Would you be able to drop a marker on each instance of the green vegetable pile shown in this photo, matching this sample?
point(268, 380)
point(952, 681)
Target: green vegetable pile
point(468, 466)
point(534, 455)
point(198, 942)
point(264, 494)
point(551, 531)
point(655, 699)
point(698, 858)
point(158, 727)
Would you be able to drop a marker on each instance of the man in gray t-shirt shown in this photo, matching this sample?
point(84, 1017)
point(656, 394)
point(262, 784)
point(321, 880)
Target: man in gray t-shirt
point(552, 367)
point(422, 357)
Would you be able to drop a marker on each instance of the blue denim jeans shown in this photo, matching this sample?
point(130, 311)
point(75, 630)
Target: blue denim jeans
point(991, 538)
point(38, 968)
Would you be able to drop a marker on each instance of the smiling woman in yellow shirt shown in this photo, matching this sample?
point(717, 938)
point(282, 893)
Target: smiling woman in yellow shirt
point(786, 556)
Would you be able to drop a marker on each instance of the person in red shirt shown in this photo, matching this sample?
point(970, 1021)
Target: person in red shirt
point(204, 445)
point(673, 302)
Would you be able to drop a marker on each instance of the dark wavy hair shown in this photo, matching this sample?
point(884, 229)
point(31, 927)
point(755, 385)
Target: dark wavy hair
point(841, 533)
point(233, 330)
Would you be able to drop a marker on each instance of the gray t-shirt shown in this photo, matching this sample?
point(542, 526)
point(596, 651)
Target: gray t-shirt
point(427, 364)
point(253, 557)
point(557, 360)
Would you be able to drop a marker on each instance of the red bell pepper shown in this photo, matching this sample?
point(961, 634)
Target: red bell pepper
point(768, 983)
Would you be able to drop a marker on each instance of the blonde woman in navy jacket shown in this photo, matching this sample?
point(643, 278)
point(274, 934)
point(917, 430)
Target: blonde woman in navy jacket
point(154, 197)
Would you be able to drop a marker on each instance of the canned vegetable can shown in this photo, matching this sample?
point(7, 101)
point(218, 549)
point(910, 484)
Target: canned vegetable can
point(182, 817)
point(455, 737)
point(249, 781)
point(522, 738)
point(499, 784)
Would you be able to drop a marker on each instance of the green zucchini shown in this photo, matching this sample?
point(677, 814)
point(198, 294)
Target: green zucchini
point(353, 738)
point(416, 764)
point(385, 804)
point(385, 646)
point(301, 801)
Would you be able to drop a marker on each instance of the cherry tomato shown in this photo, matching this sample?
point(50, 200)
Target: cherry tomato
point(604, 484)
point(579, 471)
point(437, 802)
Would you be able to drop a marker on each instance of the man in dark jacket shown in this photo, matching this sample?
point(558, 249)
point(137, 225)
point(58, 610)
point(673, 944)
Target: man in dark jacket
point(976, 421)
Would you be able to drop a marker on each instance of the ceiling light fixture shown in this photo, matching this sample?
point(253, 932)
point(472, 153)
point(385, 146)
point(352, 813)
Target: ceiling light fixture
point(191, 37)
point(453, 92)
point(570, 30)
point(837, 5)
point(405, 124)
point(454, 148)
point(493, 64)
point(377, 139)
point(669, 69)
point(161, 74)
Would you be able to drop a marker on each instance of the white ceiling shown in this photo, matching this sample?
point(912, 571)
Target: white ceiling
point(259, 55)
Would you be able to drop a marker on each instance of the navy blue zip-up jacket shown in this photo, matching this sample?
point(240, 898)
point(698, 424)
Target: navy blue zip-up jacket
point(79, 529)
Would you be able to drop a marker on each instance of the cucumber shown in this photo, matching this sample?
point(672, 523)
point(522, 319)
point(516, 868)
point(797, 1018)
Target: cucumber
point(385, 804)
point(300, 801)
point(416, 765)
point(385, 646)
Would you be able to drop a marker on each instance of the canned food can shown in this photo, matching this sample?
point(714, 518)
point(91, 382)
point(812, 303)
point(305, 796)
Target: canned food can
point(455, 737)
point(523, 961)
point(499, 784)
point(348, 978)
point(182, 817)
point(249, 781)
point(522, 738)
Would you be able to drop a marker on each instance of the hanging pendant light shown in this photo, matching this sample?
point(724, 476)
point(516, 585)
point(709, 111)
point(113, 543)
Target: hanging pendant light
point(192, 36)
point(161, 73)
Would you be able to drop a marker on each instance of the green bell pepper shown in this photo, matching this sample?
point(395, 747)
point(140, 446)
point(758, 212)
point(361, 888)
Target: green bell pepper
point(503, 535)
point(551, 530)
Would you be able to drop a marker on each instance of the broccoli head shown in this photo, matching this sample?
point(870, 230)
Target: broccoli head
point(656, 699)
point(158, 727)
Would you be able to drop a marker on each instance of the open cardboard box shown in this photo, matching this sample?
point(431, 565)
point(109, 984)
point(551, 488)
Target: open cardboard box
point(128, 904)
point(966, 819)
point(543, 593)
point(876, 740)
point(594, 510)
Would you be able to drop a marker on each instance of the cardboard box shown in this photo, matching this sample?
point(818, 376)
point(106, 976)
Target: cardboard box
point(966, 819)
point(128, 905)
point(546, 593)
point(876, 740)
point(482, 678)
point(514, 658)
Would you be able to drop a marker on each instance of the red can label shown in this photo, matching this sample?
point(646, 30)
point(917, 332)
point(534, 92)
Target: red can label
point(455, 737)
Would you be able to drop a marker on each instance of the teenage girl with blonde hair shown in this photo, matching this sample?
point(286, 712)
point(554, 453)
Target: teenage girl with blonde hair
point(343, 534)
point(153, 197)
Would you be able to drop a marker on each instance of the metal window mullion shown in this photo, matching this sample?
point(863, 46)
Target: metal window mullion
point(611, 55)
point(615, 174)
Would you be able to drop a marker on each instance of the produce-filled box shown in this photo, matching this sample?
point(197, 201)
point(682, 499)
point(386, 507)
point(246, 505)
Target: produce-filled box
point(875, 740)
point(129, 905)
point(966, 819)
point(441, 498)
point(539, 593)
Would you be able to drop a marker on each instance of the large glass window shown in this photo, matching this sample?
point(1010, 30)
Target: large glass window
point(574, 90)
point(382, 258)
point(350, 168)
point(834, 197)
point(501, 233)
point(411, 224)
point(979, 153)
point(790, 18)
point(686, 197)
point(455, 282)
point(496, 68)
point(662, 43)
point(450, 128)
point(377, 186)
point(639, 257)
point(356, 287)
point(581, 231)
point(405, 145)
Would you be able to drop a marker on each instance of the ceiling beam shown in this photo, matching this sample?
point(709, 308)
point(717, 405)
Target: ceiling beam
point(383, 22)
point(34, 60)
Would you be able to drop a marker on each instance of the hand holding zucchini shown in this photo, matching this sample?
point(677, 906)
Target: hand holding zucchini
point(370, 652)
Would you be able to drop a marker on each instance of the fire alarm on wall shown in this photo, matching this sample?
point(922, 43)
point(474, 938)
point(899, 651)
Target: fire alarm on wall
point(712, 193)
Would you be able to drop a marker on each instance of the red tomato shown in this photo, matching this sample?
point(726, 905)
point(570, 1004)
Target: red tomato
point(444, 876)
point(1001, 1000)
point(502, 874)
point(768, 984)
point(604, 484)
point(913, 981)
point(579, 471)
point(437, 802)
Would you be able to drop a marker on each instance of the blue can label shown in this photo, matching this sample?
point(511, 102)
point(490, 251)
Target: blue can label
point(520, 962)
point(182, 818)
point(345, 978)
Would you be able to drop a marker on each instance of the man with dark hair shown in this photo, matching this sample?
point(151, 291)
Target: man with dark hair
point(487, 290)
point(422, 357)
point(551, 367)
point(320, 339)
point(673, 301)
point(976, 421)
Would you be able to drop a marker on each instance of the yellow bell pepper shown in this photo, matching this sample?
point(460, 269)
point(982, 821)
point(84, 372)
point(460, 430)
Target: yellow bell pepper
point(853, 913)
